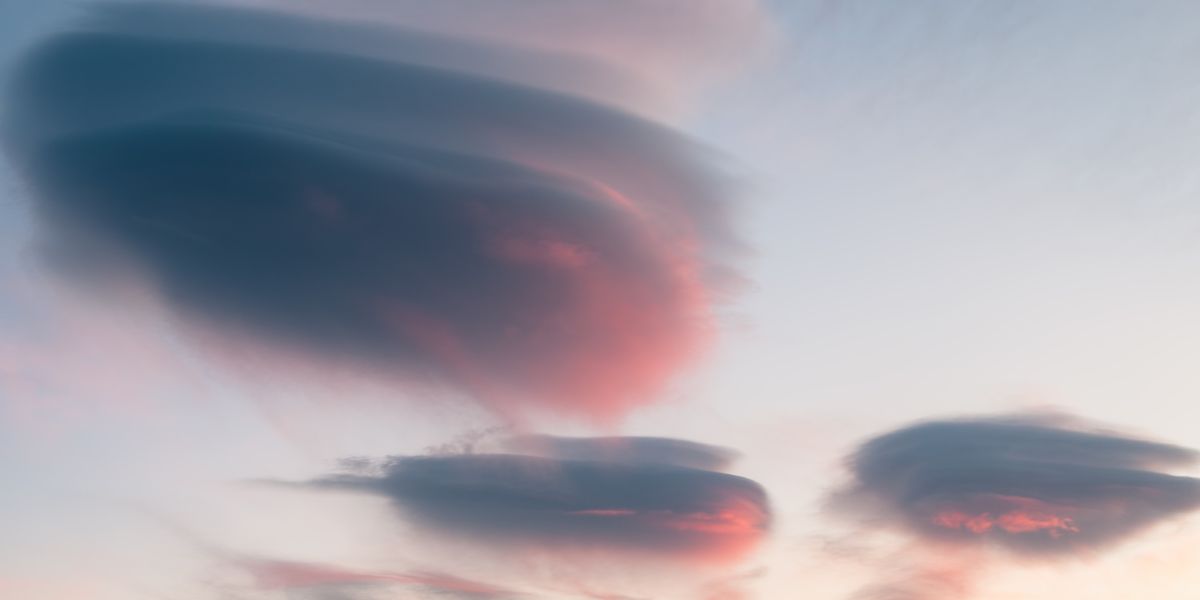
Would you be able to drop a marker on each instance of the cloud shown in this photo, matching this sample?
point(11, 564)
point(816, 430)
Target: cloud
point(47, 589)
point(296, 184)
point(927, 582)
point(332, 580)
point(629, 449)
point(733, 587)
point(403, 40)
point(632, 505)
point(1028, 485)
point(664, 47)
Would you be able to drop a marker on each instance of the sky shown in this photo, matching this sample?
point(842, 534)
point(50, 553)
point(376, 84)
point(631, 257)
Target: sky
point(611, 299)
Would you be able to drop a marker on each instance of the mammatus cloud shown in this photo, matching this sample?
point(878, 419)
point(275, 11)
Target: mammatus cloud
point(1036, 487)
point(312, 189)
point(636, 504)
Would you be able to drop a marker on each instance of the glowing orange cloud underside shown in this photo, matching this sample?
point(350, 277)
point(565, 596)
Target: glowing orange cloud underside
point(739, 518)
point(1016, 521)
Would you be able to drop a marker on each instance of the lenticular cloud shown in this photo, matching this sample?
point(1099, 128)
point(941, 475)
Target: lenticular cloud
point(323, 190)
point(633, 500)
point(1027, 485)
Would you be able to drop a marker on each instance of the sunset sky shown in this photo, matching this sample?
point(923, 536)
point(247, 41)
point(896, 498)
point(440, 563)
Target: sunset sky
point(599, 299)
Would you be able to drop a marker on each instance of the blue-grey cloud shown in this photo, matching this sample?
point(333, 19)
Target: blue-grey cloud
point(1029, 485)
point(635, 503)
point(631, 449)
point(311, 186)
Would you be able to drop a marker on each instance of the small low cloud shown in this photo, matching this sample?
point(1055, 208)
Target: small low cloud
point(1035, 487)
point(1029, 485)
point(637, 500)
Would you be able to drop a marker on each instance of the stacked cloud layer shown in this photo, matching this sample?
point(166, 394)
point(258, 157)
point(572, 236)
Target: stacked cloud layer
point(1038, 488)
point(1029, 486)
point(324, 190)
point(607, 493)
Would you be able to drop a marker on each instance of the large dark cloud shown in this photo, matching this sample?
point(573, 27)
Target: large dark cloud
point(1028, 485)
point(631, 504)
point(318, 190)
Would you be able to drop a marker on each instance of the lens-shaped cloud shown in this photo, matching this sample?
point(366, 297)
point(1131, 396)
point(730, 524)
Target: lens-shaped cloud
point(633, 505)
point(1028, 485)
point(332, 199)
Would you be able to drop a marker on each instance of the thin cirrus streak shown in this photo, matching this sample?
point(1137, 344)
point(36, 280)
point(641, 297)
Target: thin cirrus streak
point(350, 205)
point(288, 575)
